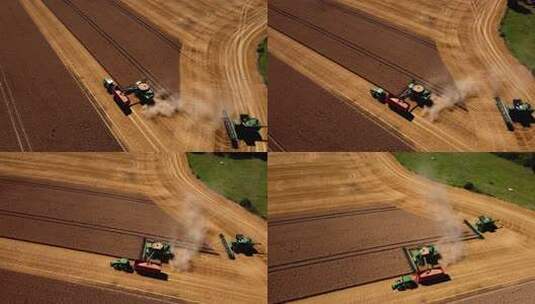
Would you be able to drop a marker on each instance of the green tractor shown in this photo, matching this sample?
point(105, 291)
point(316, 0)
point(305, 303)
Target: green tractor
point(122, 264)
point(380, 94)
point(485, 223)
point(403, 283)
point(425, 255)
point(157, 250)
point(244, 245)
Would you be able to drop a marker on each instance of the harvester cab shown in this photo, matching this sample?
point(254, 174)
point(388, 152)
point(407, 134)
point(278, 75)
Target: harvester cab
point(244, 245)
point(486, 223)
point(247, 129)
point(141, 89)
point(157, 250)
point(122, 264)
point(404, 283)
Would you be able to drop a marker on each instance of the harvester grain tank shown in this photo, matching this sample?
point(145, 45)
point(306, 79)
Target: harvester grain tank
point(246, 129)
point(141, 89)
point(425, 255)
point(418, 93)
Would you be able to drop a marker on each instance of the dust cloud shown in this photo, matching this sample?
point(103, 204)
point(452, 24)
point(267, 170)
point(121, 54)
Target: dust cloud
point(193, 232)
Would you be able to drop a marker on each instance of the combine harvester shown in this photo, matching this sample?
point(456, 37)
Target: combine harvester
point(424, 261)
point(242, 244)
point(153, 254)
point(247, 129)
point(520, 112)
point(141, 89)
point(483, 224)
point(415, 92)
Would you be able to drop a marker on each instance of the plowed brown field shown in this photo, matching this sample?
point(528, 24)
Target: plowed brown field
point(43, 105)
point(305, 117)
point(84, 219)
point(306, 185)
point(136, 195)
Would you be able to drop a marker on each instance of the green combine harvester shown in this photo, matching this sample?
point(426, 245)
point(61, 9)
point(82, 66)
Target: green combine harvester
point(247, 129)
point(485, 223)
point(424, 256)
point(122, 264)
point(404, 283)
point(242, 245)
point(520, 112)
point(157, 250)
point(418, 93)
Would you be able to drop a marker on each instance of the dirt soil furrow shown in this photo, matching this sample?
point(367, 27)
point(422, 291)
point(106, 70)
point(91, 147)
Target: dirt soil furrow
point(305, 117)
point(325, 277)
point(125, 45)
point(46, 108)
point(390, 60)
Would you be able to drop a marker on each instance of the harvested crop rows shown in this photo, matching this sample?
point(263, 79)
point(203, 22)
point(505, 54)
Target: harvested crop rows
point(390, 60)
point(44, 108)
point(83, 219)
point(24, 288)
point(138, 50)
point(304, 117)
point(327, 246)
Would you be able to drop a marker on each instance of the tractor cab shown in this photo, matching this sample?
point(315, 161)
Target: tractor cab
point(379, 94)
